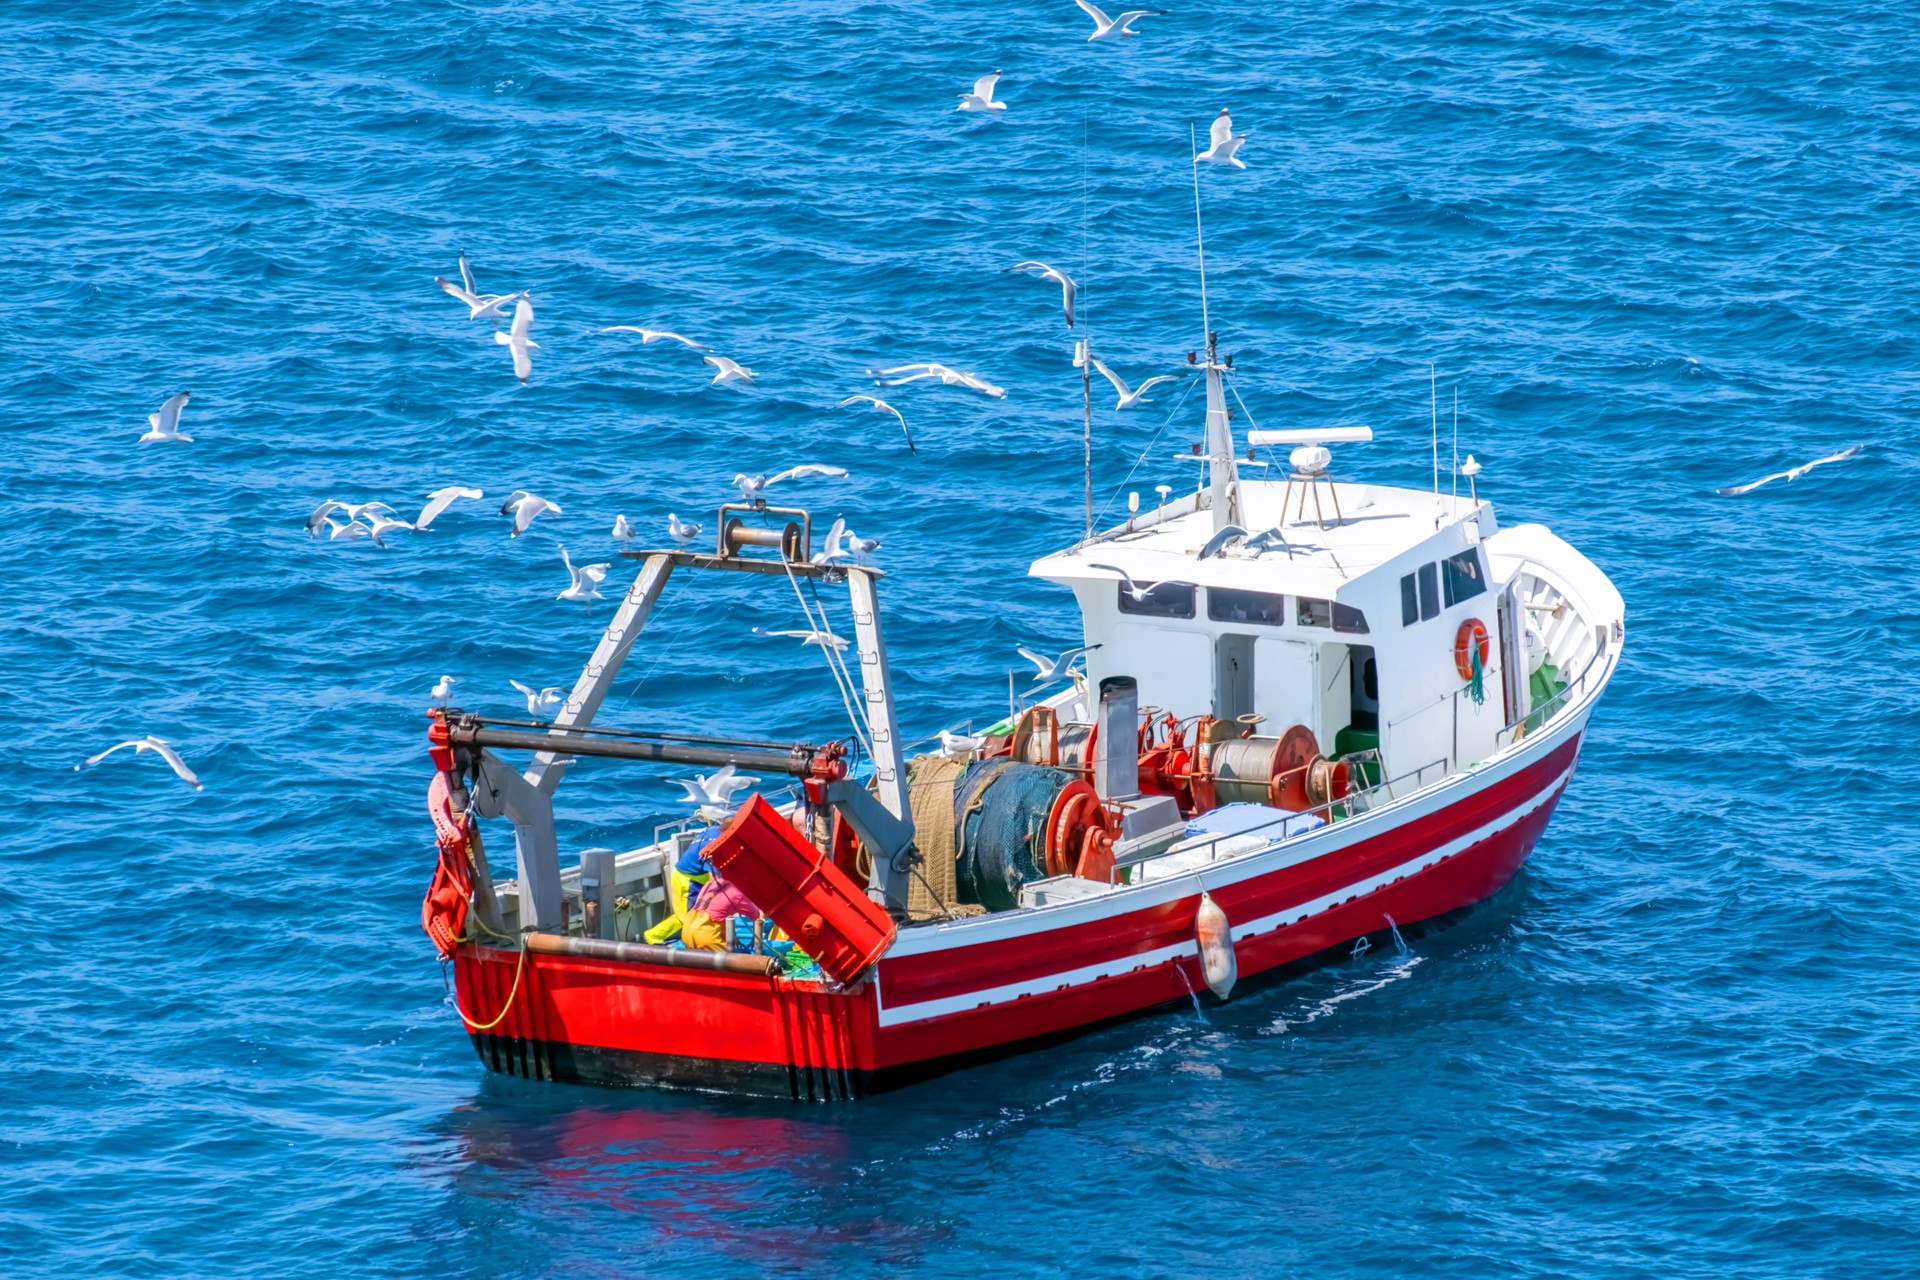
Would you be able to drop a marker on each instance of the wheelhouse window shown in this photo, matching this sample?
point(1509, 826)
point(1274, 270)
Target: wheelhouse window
point(1162, 599)
point(1264, 608)
point(1349, 619)
point(1315, 613)
point(1420, 595)
point(1462, 575)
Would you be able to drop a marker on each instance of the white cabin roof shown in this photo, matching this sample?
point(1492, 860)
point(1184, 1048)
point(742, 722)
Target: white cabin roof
point(1380, 526)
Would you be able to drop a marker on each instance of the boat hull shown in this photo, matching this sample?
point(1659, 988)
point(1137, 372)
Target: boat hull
point(953, 993)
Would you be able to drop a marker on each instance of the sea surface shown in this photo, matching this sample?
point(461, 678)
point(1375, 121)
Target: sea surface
point(1655, 246)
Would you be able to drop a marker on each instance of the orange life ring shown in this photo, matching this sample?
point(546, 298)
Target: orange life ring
point(1472, 635)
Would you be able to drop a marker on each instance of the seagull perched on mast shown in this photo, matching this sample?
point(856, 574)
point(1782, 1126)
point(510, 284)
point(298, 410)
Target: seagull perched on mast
point(751, 487)
point(479, 306)
point(1052, 273)
point(1052, 669)
point(164, 427)
point(650, 336)
point(1225, 142)
point(159, 746)
point(981, 99)
point(1791, 474)
point(523, 507)
point(1137, 395)
point(881, 406)
point(900, 375)
point(1105, 28)
point(516, 340)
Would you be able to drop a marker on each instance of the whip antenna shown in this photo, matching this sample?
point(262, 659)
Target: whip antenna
point(1200, 238)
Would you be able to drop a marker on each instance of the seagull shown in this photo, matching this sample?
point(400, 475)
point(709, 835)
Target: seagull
point(1052, 669)
point(716, 788)
point(681, 531)
point(1138, 395)
point(650, 336)
point(542, 703)
point(1218, 542)
point(164, 427)
point(354, 510)
point(622, 531)
point(959, 744)
point(479, 306)
point(1225, 142)
point(824, 639)
point(729, 370)
point(1267, 539)
point(1105, 28)
point(981, 99)
point(524, 507)
point(443, 692)
point(159, 746)
point(1132, 588)
point(515, 339)
point(752, 486)
point(378, 524)
point(881, 406)
point(349, 531)
point(585, 587)
point(1052, 273)
point(832, 550)
point(900, 375)
point(1792, 474)
point(858, 547)
point(439, 500)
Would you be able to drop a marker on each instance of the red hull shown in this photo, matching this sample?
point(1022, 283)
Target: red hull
point(945, 994)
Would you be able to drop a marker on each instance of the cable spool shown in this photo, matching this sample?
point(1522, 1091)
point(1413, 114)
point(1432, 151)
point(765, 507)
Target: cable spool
point(1287, 772)
point(1019, 822)
point(1041, 737)
point(736, 535)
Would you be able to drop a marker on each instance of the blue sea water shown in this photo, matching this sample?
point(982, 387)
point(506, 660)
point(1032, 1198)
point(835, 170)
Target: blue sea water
point(1658, 246)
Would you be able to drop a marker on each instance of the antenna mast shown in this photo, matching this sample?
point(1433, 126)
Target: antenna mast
point(1433, 406)
point(1222, 475)
point(1086, 432)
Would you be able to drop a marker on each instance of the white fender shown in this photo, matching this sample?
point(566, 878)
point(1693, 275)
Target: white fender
point(1217, 962)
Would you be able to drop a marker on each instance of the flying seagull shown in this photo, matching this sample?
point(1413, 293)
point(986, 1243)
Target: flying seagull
point(585, 587)
point(479, 306)
point(1792, 474)
point(981, 99)
point(439, 500)
point(378, 524)
point(728, 370)
point(714, 789)
point(349, 531)
point(1052, 273)
point(881, 406)
point(515, 339)
point(824, 639)
point(1225, 142)
point(523, 507)
point(900, 375)
point(650, 336)
point(1128, 585)
point(681, 531)
point(541, 703)
point(1137, 395)
point(164, 427)
point(1052, 669)
point(1105, 28)
point(751, 487)
point(158, 746)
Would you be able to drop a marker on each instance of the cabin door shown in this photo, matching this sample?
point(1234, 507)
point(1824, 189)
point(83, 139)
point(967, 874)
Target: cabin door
point(1233, 693)
point(1286, 684)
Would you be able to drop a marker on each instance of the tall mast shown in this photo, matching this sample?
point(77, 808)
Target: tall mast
point(1222, 475)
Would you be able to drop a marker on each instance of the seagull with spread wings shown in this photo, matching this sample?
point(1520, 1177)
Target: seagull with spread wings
point(515, 339)
point(650, 336)
point(751, 487)
point(1225, 143)
point(1046, 272)
point(480, 306)
point(881, 406)
point(900, 375)
point(1135, 395)
point(159, 746)
point(1791, 474)
point(1105, 28)
point(981, 99)
point(440, 499)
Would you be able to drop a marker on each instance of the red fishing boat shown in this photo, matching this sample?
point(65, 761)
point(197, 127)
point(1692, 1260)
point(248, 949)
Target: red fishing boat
point(1310, 711)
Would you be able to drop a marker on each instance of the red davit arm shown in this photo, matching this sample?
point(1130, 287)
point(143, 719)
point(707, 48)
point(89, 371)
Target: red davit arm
point(820, 908)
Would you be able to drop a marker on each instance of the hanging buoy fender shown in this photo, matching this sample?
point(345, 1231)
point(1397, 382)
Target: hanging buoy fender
point(1471, 636)
point(1215, 936)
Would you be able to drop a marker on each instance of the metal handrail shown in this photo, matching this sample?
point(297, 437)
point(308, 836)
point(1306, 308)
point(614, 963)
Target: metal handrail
point(1579, 682)
point(1347, 801)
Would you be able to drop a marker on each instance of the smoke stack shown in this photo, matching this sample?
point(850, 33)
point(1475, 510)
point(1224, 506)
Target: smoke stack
point(1116, 766)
